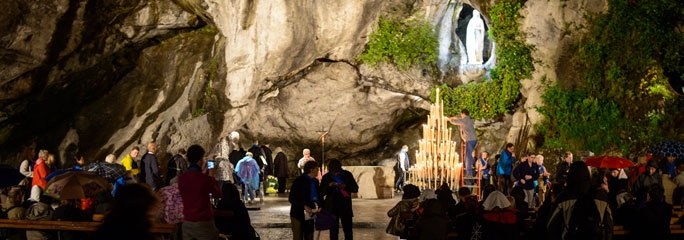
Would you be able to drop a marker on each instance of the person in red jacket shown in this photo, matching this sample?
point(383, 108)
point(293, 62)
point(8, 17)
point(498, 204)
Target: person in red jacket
point(40, 170)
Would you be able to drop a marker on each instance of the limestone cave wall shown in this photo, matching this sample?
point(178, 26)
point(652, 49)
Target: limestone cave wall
point(102, 76)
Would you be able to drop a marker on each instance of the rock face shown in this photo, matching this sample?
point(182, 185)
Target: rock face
point(100, 77)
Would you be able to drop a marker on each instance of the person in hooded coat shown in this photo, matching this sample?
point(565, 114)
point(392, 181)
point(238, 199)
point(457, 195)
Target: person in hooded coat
point(650, 177)
point(579, 190)
point(248, 171)
point(280, 169)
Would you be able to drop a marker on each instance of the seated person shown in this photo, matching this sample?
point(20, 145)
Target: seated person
point(432, 224)
point(69, 210)
point(39, 211)
point(231, 215)
point(499, 219)
point(13, 210)
point(654, 218)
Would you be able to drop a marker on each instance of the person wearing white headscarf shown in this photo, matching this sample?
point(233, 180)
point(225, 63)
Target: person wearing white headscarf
point(494, 200)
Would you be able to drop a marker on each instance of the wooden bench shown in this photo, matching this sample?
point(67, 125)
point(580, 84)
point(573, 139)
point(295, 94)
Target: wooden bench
point(158, 228)
point(675, 229)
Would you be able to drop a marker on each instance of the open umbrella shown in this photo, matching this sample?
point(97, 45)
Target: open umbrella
point(109, 171)
point(75, 185)
point(608, 162)
point(59, 172)
point(9, 176)
point(668, 148)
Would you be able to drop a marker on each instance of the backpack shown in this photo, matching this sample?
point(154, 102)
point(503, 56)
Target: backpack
point(586, 222)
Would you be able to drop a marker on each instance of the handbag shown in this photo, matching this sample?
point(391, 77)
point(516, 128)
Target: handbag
point(396, 226)
point(324, 220)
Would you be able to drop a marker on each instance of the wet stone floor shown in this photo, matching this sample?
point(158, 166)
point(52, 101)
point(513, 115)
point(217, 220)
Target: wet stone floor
point(272, 220)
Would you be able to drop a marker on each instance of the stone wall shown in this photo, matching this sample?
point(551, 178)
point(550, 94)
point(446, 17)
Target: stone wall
point(100, 77)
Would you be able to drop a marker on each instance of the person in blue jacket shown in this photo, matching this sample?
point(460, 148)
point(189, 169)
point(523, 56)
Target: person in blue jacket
point(504, 168)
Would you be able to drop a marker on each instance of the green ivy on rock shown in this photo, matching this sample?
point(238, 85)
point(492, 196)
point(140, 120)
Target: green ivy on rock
point(622, 102)
point(514, 63)
point(403, 43)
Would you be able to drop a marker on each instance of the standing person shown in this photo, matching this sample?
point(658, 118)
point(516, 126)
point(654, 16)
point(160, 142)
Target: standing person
point(403, 164)
point(305, 158)
point(129, 162)
point(268, 155)
point(176, 166)
point(647, 179)
point(467, 126)
point(483, 166)
point(236, 152)
point(581, 212)
point(260, 159)
point(131, 215)
point(195, 189)
point(281, 169)
point(248, 171)
point(26, 166)
point(543, 181)
point(336, 187)
point(40, 170)
point(563, 168)
point(504, 167)
point(256, 154)
point(304, 202)
point(224, 171)
point(526, 174)
point(150, 168)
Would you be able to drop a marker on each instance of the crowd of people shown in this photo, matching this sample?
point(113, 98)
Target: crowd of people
point(195, 185)
point(207, 194)
point(520, 199)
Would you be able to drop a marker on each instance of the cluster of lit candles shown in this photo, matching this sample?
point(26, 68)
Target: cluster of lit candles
point(437, 160)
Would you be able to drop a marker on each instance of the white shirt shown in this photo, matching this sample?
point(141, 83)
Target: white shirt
point(402, 160)
point(303, 161)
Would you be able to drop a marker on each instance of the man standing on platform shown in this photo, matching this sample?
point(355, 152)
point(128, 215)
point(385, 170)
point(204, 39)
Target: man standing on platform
point(403, 165)
point(504, 168)
point(467, 126)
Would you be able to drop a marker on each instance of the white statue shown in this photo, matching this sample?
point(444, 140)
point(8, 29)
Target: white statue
point(475, 39)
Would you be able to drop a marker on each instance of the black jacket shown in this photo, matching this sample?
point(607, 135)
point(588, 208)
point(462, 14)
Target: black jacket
point(280, 167)
point(525, 169)
point(268, 154)
point(562, 172)
point(334, 201)
point(300, 193)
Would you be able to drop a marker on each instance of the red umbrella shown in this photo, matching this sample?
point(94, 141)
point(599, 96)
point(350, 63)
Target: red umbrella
point(609, 162)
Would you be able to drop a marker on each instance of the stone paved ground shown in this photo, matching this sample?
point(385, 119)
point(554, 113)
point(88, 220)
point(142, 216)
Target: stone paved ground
point(272, 221)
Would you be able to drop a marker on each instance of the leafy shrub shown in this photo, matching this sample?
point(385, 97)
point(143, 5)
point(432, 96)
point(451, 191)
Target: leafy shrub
point(404, 44)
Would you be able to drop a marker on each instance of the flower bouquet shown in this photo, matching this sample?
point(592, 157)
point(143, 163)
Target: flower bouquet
point(271, 184)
